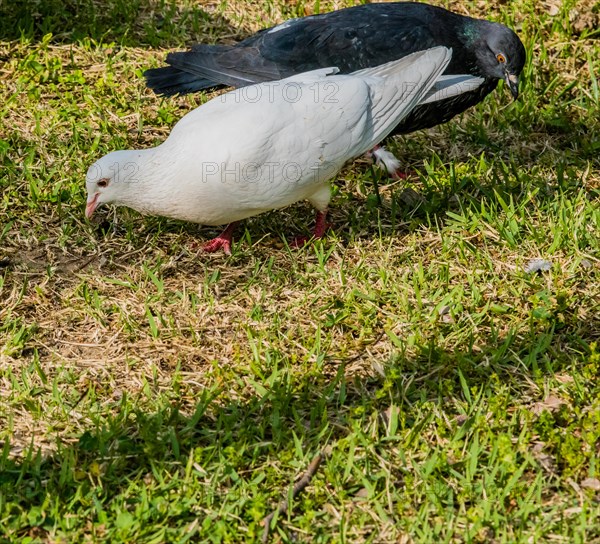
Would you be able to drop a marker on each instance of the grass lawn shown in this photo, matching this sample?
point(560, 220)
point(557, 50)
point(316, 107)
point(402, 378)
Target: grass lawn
point(150, 393)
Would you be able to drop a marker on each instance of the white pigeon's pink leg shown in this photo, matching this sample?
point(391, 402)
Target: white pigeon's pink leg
point(223, 241)
point(321, 226)
point(319, 200)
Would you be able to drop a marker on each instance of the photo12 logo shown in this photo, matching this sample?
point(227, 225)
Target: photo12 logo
point(263, 173)
point(290, 91)
point(226, 172)
point(117, 173)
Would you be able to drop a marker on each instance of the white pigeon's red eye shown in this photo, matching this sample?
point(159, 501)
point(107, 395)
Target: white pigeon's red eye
point(103, 182)
point(500, 58)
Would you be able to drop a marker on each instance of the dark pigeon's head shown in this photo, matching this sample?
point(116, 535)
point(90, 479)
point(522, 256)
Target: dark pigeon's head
point(500, 54)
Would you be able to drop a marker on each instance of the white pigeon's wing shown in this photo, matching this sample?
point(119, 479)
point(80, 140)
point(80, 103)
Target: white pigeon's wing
point(398, 86)
point(350, 121)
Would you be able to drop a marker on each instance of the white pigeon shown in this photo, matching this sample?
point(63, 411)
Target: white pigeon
point(269, 145)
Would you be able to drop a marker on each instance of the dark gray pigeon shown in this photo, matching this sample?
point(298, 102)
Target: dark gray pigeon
point(352, 39)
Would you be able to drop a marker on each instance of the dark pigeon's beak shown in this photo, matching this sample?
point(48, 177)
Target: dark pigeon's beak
point(92, 204)
point(513, 84)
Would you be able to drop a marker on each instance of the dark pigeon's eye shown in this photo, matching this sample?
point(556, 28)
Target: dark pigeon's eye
point(103, 182)
point(500, 58)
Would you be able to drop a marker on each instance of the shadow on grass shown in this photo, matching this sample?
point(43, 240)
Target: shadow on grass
point(126, 22)
point(132, 457)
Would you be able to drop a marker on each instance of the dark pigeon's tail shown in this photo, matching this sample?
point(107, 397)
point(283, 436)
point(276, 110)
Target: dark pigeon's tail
point(169, 80)
point(206, 66)
point(186, 73)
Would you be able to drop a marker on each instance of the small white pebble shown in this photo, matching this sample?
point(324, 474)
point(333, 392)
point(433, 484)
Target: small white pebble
point(537, 265)
point(591, 483)
point(444, 310)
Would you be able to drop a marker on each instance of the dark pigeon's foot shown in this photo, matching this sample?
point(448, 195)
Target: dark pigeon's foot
point(401, 174)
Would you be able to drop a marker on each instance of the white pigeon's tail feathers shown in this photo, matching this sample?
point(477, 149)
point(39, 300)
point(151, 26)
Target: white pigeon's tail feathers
point(451, 85)
point(398, 86)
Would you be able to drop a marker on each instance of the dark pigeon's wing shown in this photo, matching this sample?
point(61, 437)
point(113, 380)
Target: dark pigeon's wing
point(351, 39)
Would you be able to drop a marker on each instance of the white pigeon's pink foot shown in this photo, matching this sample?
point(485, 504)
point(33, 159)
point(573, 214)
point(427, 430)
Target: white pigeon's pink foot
point(223, 241)
point(321, 226)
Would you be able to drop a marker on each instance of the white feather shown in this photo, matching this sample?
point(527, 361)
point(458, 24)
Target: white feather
point(386, 160)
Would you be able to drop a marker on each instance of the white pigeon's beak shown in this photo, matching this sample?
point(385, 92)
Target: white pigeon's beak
point(92, 204)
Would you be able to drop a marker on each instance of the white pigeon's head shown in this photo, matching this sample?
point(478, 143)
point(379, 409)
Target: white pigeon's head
point(112, 179)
